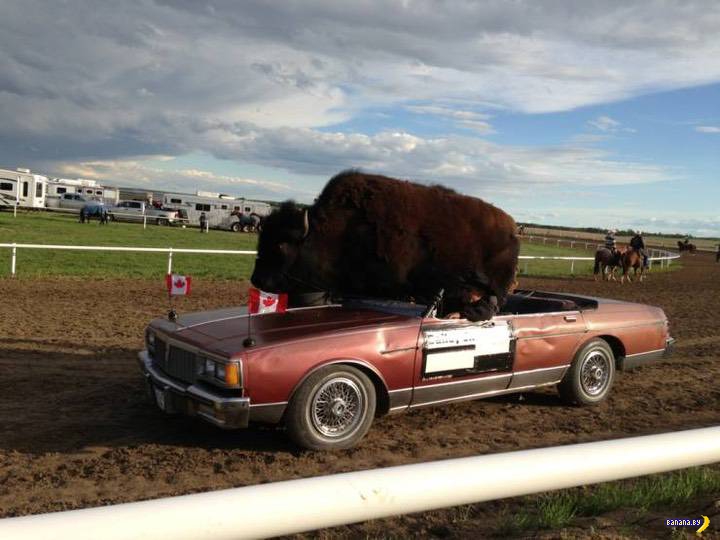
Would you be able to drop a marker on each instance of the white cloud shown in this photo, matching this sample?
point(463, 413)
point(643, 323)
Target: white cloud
point(140, 173)
point(264, 83)
point(468, 119)
point(707, 129)
point(609, 125)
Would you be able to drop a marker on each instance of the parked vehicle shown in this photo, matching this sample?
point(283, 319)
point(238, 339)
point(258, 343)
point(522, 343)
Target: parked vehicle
point(22, 188)
point(327, 372)
point(218, 208)
point(139, 211)
point(91, 189)
point(74, 201)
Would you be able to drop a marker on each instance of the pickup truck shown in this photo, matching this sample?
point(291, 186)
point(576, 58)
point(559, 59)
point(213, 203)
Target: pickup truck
point(137, 211)
point(75, 201)
point(326, 372)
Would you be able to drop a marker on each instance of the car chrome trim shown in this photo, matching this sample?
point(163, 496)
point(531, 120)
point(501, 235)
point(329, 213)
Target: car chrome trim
point(540, 369)
point(484, 394)
point(255, 405)
point(438, 393)
point(347, 361)
point(403, 349)
point(644, 353)
point(221, 411)
point(465, 381)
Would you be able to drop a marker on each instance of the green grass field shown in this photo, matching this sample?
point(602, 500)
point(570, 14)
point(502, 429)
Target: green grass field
point(42, 228)
point(49, 228)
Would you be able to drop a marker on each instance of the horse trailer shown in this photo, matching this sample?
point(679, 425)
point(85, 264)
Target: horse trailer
point(218, 209)
point(22, 188)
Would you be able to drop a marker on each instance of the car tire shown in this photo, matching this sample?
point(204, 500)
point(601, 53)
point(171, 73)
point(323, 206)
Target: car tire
point(591, 375)
point(235, 227)
point(333, 409)
point(162, 221)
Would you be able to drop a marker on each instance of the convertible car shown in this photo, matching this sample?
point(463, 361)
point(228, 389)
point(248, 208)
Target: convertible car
point(327, 372)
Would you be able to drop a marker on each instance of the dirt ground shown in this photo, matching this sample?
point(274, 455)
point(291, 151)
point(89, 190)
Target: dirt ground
point(76, 429)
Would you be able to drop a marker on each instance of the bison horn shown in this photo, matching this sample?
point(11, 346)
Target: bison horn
point(306, 224)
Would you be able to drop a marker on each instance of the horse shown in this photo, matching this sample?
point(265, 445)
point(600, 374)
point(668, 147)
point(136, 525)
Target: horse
point(686, 246)
point(606, 261)
point(630, 258)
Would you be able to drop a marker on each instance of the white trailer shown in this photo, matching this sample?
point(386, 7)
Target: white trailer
point(89, 189)
point(217, 208)
point(21, 188)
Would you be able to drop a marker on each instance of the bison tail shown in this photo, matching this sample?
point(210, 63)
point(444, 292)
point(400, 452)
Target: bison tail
point(596, 269)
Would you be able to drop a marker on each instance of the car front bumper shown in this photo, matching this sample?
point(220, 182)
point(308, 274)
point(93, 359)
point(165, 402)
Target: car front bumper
point(173, 396)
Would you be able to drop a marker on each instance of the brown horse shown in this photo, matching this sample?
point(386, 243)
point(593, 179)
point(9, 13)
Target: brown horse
point(606, 261)
point(686, 246)
point(631, 259)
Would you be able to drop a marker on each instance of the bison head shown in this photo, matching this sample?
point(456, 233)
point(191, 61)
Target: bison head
point(279, 245)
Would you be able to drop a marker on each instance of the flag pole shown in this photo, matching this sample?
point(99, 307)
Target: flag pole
point(172, 314)
point(249, 341)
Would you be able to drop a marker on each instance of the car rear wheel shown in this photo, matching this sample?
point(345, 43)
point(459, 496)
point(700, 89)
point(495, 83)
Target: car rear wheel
point(162, 221)
point(332, 409)
point(591, 375)
point(235, 227)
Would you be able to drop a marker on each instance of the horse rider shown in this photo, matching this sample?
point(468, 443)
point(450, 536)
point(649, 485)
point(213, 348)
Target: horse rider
point(610, 241)
point(638, 244)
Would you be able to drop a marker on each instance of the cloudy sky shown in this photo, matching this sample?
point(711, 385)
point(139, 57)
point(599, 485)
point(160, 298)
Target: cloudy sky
point(597, 113)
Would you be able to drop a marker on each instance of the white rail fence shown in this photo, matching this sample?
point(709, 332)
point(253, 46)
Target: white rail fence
point(655, 255)
point(170, 251)
point(312, 503)
point(664, 257)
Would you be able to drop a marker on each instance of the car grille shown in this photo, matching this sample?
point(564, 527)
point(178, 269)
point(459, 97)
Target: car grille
point(179, 363)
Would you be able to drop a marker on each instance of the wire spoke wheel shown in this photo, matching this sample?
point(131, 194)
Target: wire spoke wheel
point(337, 407)
point(595, 373)
point(589, 380)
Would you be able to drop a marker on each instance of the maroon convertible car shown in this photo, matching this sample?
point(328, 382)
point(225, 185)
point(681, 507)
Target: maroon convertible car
point(326, 372)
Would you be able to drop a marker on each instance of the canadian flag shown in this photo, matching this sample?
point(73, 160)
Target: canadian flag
point(265, 302)
point(178, 285)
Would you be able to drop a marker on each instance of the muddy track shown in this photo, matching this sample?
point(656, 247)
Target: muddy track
point(77, 431)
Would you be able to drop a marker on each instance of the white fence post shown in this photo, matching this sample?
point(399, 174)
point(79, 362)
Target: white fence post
point(572, 267)
point(170, 261)
point(144, 221)
point(13, 260)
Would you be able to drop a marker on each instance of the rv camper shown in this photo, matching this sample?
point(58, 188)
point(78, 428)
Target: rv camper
point(89, 189)
point(22, 188)
point(217, 208)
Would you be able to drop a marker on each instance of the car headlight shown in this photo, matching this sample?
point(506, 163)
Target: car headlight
point(209, 367)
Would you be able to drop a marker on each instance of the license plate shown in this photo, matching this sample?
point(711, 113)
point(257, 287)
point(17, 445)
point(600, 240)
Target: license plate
point(160, 398)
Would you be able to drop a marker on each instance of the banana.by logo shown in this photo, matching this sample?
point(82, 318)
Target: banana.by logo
point(702, 524)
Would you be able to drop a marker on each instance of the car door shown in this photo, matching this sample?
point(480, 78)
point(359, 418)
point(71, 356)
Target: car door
point(545, 344)
point(459, 360)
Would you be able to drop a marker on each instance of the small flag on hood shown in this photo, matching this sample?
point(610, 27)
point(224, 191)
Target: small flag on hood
point(178, 285)
point(265, 302)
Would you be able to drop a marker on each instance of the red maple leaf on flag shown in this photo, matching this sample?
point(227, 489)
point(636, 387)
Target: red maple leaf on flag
point(179, 283)
point(268, 301)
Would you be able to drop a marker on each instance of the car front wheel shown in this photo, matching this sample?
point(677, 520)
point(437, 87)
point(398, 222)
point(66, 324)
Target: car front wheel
point(591, 375)
point(332, 409)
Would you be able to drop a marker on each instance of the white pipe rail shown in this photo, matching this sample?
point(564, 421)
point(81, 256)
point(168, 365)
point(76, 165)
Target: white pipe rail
point(169, 251)
point(301, 505)
point(668, 256)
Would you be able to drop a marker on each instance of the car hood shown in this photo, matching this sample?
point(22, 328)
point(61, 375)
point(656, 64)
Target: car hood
point(224, 331)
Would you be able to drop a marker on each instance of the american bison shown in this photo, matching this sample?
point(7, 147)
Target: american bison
point(371, 235)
